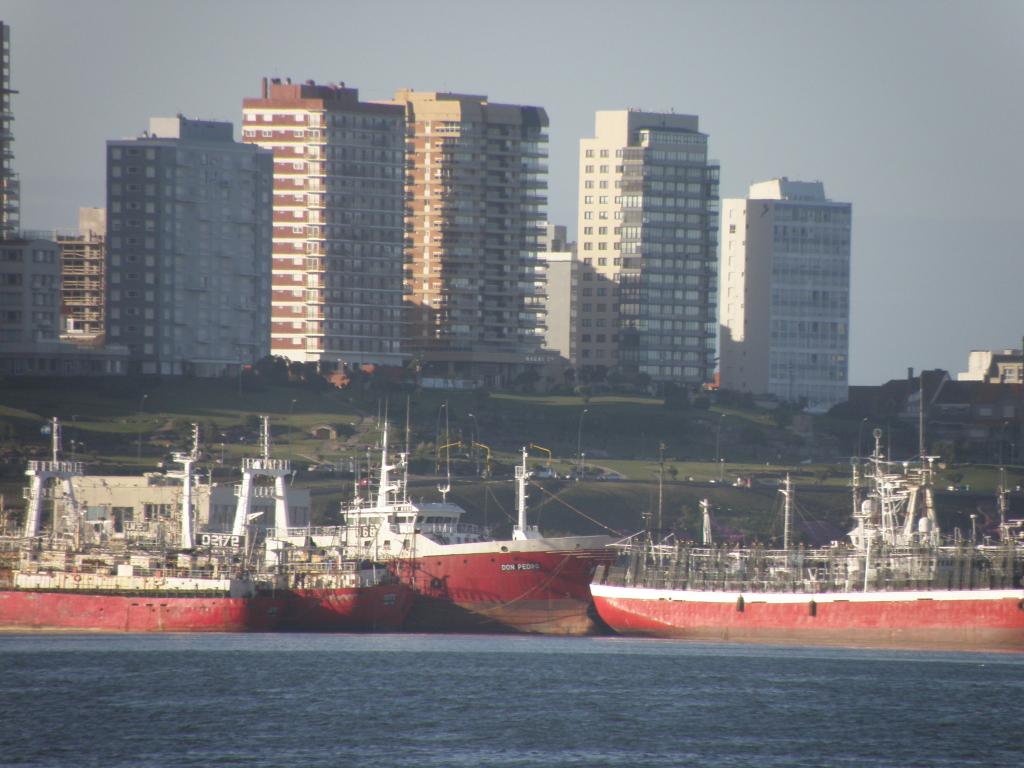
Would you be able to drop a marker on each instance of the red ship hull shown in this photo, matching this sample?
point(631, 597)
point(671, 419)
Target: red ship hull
point(156, 612)
point(545, 592)
point(955, 620)
point(379, 608)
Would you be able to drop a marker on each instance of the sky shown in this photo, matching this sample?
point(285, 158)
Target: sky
point(911, 111)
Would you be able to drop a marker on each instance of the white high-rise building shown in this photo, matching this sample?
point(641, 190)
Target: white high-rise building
point(785, 302)
point(648, 228)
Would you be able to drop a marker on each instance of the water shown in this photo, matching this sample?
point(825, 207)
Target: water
point(417, 700)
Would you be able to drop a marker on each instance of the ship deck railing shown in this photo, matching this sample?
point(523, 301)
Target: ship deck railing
point(833, 569)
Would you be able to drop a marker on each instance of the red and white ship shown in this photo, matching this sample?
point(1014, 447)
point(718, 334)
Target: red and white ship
point(896, 583)
point(73, 575)
point(463, 579)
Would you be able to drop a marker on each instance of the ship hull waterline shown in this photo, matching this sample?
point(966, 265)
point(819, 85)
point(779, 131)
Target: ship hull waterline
point(937, 619)
point(142, 612)
point(539, 592)
point(377, 608)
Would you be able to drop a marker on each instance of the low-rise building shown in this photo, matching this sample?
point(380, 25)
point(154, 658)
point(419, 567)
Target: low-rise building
point(994, 366)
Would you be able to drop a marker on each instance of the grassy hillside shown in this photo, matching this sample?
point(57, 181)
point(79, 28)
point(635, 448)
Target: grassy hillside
point(132, 424)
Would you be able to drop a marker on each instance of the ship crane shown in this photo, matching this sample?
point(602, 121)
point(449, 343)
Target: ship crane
point(44, 475)
point(263, 466)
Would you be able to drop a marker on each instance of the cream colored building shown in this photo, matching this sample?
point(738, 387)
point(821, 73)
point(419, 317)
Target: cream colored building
point(647, 248)
point(475, 191)
point(994, 366)
point(148, 506)
point(83, 277)
point(786, 293)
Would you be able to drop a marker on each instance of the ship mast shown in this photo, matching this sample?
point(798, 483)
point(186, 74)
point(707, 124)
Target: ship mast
point(522, 530)
point(705, 508)
point(444, 489)
point(187, 460)
point(787, 495)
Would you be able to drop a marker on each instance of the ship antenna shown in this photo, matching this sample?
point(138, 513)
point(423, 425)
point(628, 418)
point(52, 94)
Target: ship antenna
point(705, 508)
point(920, 419)
point(1002, 503)
point(787, 494)
point(405, 462)
point(444, 489)
point(661, 477)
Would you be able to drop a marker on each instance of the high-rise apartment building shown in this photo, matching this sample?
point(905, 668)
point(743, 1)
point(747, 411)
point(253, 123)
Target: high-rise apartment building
point(83, 276)
point(9, 190)
point(476, 183)
point(560, 275)
point(29, 291)
point(786, 293)
point(338, 228)
point(647, 249)
point(188, 250)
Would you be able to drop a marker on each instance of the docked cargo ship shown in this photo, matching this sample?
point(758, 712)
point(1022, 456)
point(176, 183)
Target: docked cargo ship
point(326, 592)
point(897, 582)
point(67, 572)
point(463, 579)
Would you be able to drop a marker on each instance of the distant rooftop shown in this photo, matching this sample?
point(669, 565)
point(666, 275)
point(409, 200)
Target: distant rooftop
point(784, 189)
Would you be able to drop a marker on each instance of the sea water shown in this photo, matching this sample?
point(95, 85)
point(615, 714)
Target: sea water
point(442, 700)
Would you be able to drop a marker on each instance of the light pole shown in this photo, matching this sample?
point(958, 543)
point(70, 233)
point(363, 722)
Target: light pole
point(718, 439)
point(138, 445)
point(1002, 439)
point(579, 446)
point(291, 408)
point(476, 439)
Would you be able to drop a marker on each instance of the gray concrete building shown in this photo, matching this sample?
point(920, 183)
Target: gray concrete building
point(786, 293)
point(647, 249)
point(188, 248)
point(9, 190)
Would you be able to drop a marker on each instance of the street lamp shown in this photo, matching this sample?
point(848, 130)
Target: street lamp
point(138, 446)
point(476, 439)
point(291, 408)
point(718, 439)
point(1002, 439)
point(860, 434)
point(579, 446)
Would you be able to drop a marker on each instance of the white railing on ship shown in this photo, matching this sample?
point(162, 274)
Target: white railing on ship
point(314, 530)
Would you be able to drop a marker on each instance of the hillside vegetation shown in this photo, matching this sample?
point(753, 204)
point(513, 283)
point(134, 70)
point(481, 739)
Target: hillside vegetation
point(131, 425)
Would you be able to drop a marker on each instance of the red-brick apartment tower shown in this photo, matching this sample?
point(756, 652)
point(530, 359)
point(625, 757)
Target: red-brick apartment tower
point(338, 230)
